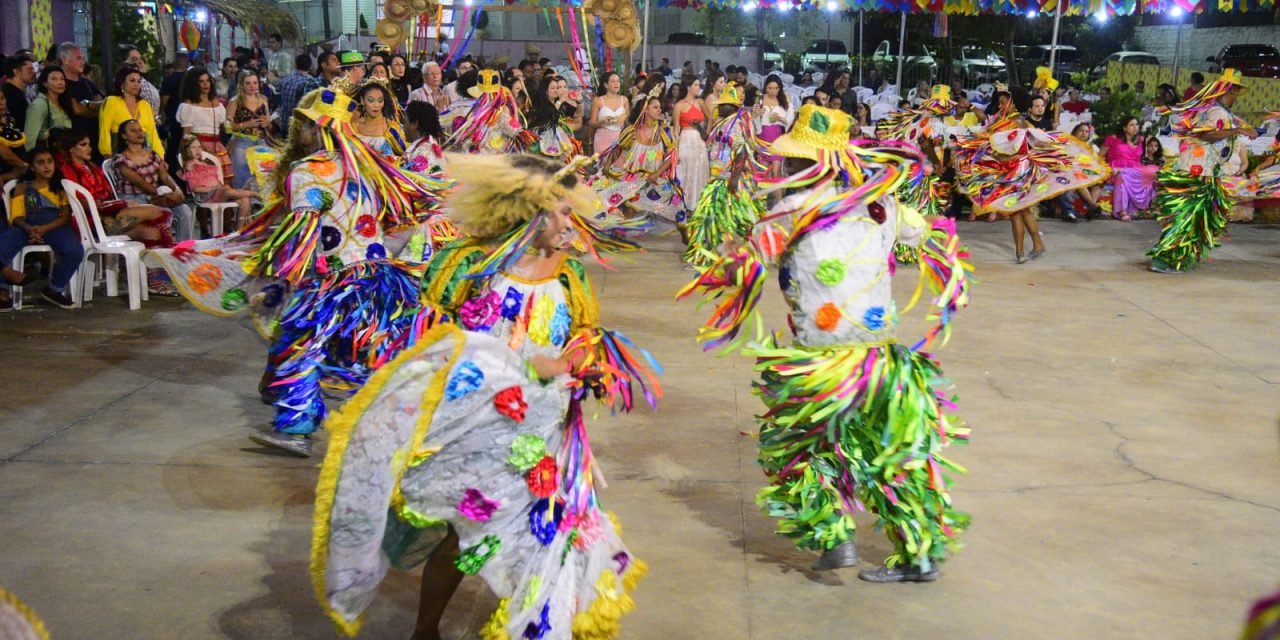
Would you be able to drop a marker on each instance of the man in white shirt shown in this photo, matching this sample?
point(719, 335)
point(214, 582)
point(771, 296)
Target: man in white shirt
point(431, 90)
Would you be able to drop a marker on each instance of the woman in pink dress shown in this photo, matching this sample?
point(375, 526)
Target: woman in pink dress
point(773, 116)
point(1133, 182)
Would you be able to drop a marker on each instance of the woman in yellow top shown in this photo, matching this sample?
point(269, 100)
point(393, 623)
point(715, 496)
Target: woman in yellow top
point(124, 104)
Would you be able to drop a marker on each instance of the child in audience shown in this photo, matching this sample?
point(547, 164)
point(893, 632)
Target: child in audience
point(39, 213)
point(202, 178)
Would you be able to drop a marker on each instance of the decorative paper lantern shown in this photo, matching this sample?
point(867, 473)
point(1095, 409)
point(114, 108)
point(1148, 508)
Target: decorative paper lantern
point(189, 35)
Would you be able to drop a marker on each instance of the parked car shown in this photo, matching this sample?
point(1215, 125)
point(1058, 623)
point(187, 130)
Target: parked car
point(823, 54)
point(772, 55)
point(687, 38)
point(1131, 57)
point(978, 65)
point(1257, 60)
point(920, 61)
point(1066, 62)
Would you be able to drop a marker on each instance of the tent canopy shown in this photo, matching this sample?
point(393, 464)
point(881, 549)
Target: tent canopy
point(992, 7)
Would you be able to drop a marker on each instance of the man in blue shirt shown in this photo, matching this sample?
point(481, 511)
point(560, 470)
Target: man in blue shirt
point(294, 86)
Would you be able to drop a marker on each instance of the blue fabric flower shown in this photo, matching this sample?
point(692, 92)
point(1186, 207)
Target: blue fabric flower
point(539, 630)
point(874, 318)
point(467, 378)
point(353, 190)
point(544, 528)
point(512, 303)
point(272, 296)
point(319, 198)
point(375, 252)
point(560, 325)
point(784, 278)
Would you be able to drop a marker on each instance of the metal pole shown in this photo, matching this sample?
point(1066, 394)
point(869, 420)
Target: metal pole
point(106, 42)
point(902, 48)
point(1053, 51)
point(328, 27)
point(860, 51)
point(644, 50)
point(1177, 54)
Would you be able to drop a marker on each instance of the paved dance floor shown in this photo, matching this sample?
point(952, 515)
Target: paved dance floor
point(1124, 470)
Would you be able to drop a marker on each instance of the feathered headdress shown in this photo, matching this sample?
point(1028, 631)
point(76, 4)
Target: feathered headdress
point(1045, 79)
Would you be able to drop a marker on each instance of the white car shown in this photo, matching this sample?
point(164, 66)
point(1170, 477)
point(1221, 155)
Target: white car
point(1135, 57)
point(979, 64)
point(823, 54)
point(919, 61)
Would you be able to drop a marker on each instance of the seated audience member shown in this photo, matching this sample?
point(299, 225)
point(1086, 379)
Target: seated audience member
point(39, 214)
point(144, 177)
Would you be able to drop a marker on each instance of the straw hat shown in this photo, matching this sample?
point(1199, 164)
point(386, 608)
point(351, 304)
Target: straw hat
point(1229, 78)
point(488, 82)
point(939, 99)
point(816, 129)
point(731, 94)
point(329, 107)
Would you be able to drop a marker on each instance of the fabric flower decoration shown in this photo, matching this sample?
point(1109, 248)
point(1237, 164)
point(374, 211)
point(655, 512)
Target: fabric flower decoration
point(510, 403)
point(560, 325)
point(540, 323)
point(784, 278)
point(538, 630)
point(330, 238)
point(828, 317)
point(543, 478)
point(526, 451)
point(876, 210)
point(544, 521)
point(479, 314)
point(375, 252)
point(477, 507)
point(512, 303)
point(1196, 170)
point(874, 318)
point(272, 296)
point(234, 299)
point(623, 560)
point(474, 557)
point(367, 226)
point(465, 380)
point(321, 199)
point(587, 529)
point(831, 271)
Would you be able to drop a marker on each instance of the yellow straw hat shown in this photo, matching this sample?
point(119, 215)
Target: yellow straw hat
point(487, 83)
point(817, 129)
point(1230, 78)
point(731, 94)
point(330, 106)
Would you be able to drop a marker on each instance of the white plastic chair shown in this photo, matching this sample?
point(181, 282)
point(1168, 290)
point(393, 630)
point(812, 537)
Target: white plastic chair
point(109, 166)
point(111, 249)
point(216, 209)
point(18, 263)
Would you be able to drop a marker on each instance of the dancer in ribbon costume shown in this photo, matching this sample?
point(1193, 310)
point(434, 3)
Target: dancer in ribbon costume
point(638, 172)
point(729, 206)
point(854, 419)
point(18, 621)
point(318, 265)
point(1191, 198)
point(469, 451)
point(1011, 167)
point(927, 127)
point(494, 124)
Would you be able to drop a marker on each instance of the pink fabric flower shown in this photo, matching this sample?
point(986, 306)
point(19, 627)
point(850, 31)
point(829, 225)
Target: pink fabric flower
point(479, 314)
point(477, 507)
